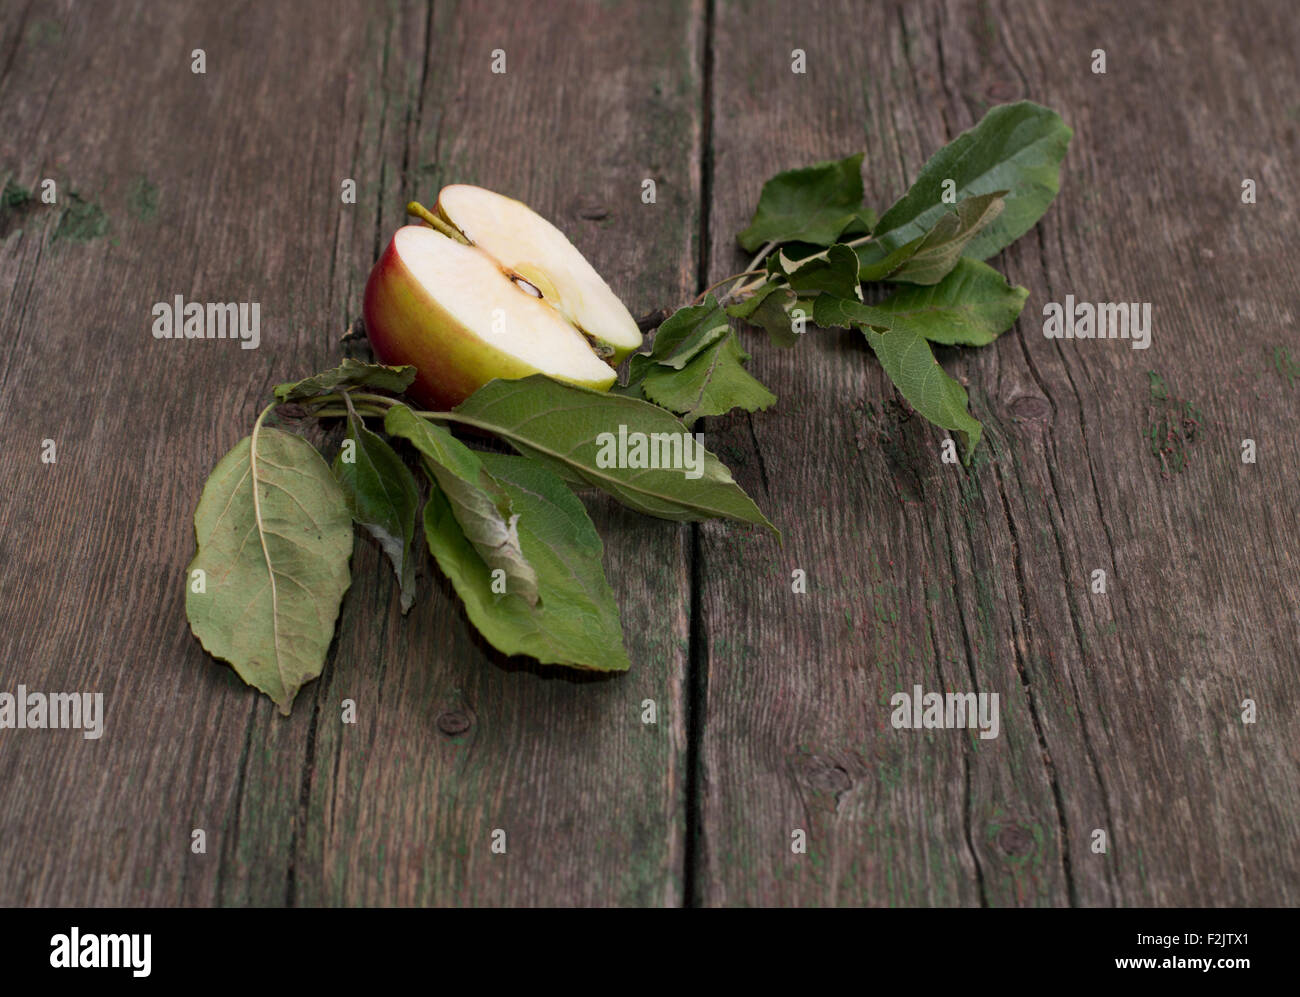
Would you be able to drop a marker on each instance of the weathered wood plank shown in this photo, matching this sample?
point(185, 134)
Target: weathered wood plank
point(1120, 711)
point(245, 164)
point(455, 742)
point(199, 179)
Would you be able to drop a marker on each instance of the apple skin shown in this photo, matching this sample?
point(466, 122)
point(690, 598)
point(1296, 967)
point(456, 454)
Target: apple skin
point(405, 325)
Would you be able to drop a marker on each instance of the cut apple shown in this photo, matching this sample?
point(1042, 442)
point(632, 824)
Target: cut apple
point(490, 289)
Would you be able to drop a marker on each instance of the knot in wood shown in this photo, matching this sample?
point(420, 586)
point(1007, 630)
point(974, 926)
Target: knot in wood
point(453, 722)
point(1031, 408)
point(826, 775)
point(1015, 841)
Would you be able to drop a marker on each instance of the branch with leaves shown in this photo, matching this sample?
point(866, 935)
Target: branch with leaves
point(818, 245)
point(274, 525)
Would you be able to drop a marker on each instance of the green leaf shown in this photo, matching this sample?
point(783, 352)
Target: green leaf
point(1017, 148)
point(872, 266)
point(681, 337)
point(862, 224)
point(687, 332)
point(833, 271)
point(906, 357)
point(576, 433)
point(941, 248)
point(770, 308)
point(712, 383)
point(274, 538)
point(480, 504)
point(696, 367)
point(349, 374)
point(383, 498)
point(813, 204)
point(972, 306)
point(575, 622)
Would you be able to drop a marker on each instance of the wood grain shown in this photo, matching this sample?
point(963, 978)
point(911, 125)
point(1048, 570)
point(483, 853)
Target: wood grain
point(453, 741)
point(458, 742)
point(1119, 712)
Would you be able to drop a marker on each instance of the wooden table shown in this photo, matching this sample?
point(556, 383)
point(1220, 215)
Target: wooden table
point(1121, 712)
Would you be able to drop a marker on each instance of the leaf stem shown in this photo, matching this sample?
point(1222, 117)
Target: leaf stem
point(337, 396)
point(383, 400)
point(257, 426)
point(753, 285)
point(762, 255)
point(417, 210)
point(327, 405)
point(365, 410)
point(746, 273)
point(457, 417)
point(266, 554)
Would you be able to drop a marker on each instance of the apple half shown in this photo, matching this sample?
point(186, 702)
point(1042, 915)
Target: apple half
point(488, 288)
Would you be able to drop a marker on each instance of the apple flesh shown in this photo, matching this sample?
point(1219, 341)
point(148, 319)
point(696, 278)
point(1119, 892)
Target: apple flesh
point(502, 295)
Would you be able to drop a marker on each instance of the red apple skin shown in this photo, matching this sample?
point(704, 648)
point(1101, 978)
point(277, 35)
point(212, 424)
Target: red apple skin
point(402, 328)
point(406, 325)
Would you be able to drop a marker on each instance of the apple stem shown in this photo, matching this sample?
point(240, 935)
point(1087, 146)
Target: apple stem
point(418, 210)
